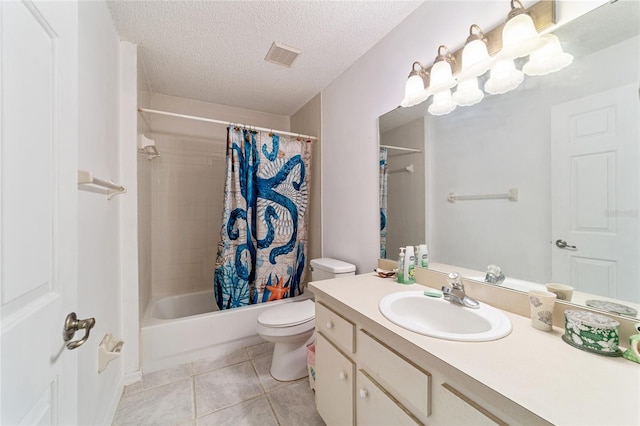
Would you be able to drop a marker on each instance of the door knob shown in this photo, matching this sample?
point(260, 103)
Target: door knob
point(563, 245)
point(73, 324)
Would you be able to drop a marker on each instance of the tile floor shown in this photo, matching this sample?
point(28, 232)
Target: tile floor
point(236, 390)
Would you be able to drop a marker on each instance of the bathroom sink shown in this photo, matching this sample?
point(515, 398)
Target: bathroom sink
point(437, 317)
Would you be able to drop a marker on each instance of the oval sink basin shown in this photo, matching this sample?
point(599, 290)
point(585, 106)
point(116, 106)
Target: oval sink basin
point(437, 317)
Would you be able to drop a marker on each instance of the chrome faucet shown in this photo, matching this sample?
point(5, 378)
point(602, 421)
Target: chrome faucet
point(455, 293)
point(494, 275)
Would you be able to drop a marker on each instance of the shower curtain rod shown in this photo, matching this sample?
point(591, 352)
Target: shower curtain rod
point(227, 123)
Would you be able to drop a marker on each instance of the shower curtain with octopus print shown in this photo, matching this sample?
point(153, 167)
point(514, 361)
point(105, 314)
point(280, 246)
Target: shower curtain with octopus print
point(263, 239)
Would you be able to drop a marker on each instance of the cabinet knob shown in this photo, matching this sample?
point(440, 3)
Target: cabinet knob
point(343, 375)
point(329, 324)
point(363, 393)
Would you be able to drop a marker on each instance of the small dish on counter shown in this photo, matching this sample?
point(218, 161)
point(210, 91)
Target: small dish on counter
point(385, 273)
point(592, 332)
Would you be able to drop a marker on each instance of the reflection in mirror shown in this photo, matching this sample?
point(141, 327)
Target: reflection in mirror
point(402, 184)
point(569, 143)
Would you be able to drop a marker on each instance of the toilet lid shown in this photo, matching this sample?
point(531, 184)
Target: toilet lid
point(288, 314)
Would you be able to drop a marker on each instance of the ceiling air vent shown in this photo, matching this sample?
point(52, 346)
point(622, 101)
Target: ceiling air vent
point(282, 54)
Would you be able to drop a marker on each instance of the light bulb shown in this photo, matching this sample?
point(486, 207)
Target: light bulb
point(467, 92)
point(504, 77)
point(442, 103)
point(519, 36)
point(549, 58)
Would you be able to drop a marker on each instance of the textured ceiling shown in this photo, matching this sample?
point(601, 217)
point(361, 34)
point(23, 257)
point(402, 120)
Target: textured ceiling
point(214, 51)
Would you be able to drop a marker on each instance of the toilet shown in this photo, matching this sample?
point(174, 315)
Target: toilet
point(291, 326)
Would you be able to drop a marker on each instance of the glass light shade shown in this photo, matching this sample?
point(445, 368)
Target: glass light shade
point(504, 77)
point(442, 103)
point(467, 93)
point(414, 91)
point(441, 77)
point(520, 37)
point(549, 58)
point(475, 60)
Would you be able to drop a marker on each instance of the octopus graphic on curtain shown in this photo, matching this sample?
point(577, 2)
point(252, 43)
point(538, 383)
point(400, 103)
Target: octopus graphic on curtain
point(263, 239)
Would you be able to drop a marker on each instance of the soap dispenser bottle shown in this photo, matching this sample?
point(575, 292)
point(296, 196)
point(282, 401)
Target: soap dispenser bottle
point(409, 266)
point(423, 256)
point(401, 266)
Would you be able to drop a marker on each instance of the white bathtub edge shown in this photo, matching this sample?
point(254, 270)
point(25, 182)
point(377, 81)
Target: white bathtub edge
point(168, 343)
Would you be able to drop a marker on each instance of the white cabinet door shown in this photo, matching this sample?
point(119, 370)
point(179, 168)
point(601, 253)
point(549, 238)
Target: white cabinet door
point(457, 409)
point(595, 193)
point(334, 384)
point(38, 223)
point(375, 407)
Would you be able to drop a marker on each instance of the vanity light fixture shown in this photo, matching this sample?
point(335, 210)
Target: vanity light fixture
point(549, 58)
point(475, 62)
point(519, 35)
point(516, 38)
point(504, 77)
point(441, 83)
point(415, 90)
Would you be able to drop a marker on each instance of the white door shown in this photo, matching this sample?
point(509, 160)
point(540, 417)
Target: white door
point(595, 193)
point(38, 222)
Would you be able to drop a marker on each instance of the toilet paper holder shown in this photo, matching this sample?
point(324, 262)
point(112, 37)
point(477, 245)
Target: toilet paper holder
point(108, 350)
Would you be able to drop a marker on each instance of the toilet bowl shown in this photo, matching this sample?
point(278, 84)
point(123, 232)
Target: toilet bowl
point(291, 326)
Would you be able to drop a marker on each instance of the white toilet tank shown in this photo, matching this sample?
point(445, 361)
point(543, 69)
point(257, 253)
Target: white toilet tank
point(326, 268)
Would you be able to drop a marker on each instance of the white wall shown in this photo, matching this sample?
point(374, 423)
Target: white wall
point(99, 293)
point(374, 85)
point(129, 212)
point(307, 120)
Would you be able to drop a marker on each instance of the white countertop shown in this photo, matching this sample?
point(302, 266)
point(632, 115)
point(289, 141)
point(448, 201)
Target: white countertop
point(534, 369)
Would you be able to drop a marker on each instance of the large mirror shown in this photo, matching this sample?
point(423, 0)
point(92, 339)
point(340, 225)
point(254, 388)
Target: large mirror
point(568, 142)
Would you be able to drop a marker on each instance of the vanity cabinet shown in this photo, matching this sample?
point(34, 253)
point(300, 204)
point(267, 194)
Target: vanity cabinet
point(335, 381)
point(374, 405)
point(464, 411)
point(364, 379)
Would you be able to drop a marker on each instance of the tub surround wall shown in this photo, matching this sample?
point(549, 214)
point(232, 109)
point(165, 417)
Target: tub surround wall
point(181, 224)
point(187, 194)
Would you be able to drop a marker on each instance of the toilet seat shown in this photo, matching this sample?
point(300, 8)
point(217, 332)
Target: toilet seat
point(288, 314)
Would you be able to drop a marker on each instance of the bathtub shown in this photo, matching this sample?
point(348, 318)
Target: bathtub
point(187, 327)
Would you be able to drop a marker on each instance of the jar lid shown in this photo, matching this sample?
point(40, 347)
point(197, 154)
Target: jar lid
point(590, 319)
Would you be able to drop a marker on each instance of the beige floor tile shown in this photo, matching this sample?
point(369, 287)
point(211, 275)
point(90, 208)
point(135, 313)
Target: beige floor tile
point(256, 412)
point(159, 378)
point(294, 405)
point(209, 364)
point(263, 366)
point(226, 387)
point(170, 404)
point(260, 349)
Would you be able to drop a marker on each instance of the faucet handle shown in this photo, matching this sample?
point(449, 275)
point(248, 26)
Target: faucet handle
point(455, 280)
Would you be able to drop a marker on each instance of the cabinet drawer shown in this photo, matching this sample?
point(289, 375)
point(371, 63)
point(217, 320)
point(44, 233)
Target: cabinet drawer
point(335, 327)
point(408, 383)
point(375, 407)
point(462, 410)
point(334, 383)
